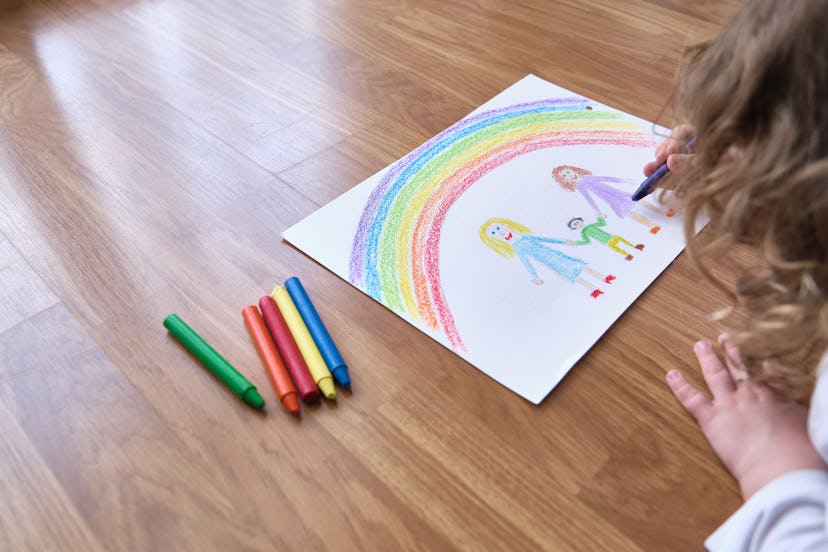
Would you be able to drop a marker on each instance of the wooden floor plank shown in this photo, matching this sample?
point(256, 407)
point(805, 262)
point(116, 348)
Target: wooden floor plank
point(22, 293)
point(35, 513)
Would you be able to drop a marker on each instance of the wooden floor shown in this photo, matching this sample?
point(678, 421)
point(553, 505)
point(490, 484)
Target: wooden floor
point(151, 152)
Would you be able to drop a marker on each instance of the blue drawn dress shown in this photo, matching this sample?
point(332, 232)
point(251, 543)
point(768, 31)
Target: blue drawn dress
point(529, 248)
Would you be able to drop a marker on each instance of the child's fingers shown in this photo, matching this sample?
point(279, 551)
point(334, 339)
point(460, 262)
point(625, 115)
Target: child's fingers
point(683, 132)
point(693, 400)
point(675, 160)
point(652, 167)
point(715, 373)
point(733, 358)
point(661, 150)
point(674, 144)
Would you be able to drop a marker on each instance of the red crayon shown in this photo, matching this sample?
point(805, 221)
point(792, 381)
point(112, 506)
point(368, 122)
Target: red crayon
point(270, 358)
point(287, 347)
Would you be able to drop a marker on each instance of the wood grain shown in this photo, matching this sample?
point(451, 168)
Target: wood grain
point(150, 154)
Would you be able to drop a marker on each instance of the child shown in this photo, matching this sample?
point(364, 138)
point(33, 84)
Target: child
point(594, 231)
point(508, 238)
point(756, 99)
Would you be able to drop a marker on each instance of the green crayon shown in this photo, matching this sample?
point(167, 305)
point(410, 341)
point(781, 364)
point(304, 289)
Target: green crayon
point(222, 369)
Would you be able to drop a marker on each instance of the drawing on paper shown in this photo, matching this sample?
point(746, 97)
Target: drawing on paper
point(413, 236)
point(595, 231)
point(573, 179)
point(508, 238)
point(396, 256)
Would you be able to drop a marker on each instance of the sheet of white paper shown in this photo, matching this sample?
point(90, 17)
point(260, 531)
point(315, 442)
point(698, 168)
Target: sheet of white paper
point(410, 236)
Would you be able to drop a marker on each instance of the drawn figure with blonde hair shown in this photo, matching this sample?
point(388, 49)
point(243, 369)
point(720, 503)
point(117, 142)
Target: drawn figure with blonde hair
point(508, 238)
point(572, 179)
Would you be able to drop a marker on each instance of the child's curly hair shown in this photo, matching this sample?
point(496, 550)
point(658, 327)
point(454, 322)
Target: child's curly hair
point(757, 95)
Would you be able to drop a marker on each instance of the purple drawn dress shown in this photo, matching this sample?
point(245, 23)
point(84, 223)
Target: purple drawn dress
point(620, 201)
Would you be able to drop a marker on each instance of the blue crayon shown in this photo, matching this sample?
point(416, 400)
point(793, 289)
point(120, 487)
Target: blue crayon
point(318, 331)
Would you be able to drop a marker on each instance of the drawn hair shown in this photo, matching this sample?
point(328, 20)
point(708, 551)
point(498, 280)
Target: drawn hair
point(573, 219)
point(500, 247)
point(570, 186)
point(756, 95)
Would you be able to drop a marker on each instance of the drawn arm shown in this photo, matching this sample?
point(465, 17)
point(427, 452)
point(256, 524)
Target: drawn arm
point(588, 197)
point(539, 239)
point(528, 265)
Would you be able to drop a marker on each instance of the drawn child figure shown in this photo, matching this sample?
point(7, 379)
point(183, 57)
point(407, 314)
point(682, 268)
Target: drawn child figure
point(509, 238)
point(573, 179)
point(754, 98)
point(594, 231)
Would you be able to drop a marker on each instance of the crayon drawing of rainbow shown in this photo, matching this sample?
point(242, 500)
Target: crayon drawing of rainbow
point(395, 255)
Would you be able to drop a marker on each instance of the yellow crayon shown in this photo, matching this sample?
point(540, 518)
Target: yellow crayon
point(313, 358)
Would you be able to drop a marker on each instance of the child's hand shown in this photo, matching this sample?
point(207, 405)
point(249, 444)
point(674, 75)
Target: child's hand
point(669, 149)
point(758, 436)
point(537, 282)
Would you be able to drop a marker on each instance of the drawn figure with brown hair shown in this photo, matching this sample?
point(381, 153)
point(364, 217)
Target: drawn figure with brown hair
point(572, 179)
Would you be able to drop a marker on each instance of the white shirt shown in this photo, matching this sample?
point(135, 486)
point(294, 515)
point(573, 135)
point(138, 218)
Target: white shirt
point(789, 513)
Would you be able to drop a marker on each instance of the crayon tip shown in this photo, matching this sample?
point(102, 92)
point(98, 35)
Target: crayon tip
point(327, 387)
point(291, 403)
point(252, 397)
point(340, 374)
point(311, 396)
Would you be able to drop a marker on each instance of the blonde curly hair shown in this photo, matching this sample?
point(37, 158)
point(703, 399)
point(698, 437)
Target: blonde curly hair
point(757, 96)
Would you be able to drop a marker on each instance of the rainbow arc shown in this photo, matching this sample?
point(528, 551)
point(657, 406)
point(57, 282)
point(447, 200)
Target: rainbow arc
point(395, 256)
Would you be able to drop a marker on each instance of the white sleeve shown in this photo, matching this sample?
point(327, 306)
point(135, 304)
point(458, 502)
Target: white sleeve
point(789, 513)
point(786, 514)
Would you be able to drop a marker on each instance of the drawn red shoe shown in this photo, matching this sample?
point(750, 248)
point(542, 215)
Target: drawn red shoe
point(671, 212)
point(628, 258)
point(609, 278)
point(595, 293)
point(655, 229)
point(640, 247)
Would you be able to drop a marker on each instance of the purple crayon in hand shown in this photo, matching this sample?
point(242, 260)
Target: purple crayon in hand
point(652, 181)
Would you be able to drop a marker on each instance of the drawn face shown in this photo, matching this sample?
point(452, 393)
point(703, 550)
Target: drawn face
point(501, 232)
point(576, 224)
point(569, 176)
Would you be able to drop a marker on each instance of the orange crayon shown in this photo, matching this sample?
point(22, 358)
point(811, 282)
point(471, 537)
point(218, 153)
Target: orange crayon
point(270, 358)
